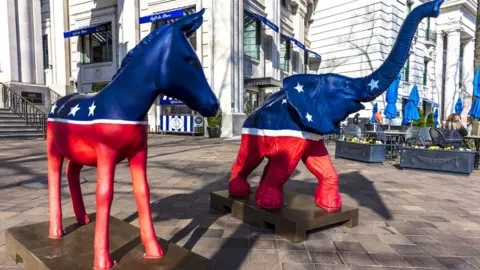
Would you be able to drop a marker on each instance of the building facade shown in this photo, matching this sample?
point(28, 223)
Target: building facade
point(354, 38)
point(246, 47)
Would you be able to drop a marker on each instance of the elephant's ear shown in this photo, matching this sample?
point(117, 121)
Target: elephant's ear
point(304, 95)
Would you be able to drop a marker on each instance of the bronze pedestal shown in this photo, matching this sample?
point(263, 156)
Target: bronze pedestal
point(31, 245)
point(298, 215)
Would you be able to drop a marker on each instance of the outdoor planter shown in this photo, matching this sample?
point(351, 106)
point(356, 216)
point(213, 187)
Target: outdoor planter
point(454, 161)
point(213, 132)
point(371, 153)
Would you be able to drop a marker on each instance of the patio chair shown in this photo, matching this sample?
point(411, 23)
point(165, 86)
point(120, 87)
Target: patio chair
point(443, 137)
point(353, 131)
point(412, 136)
point(424, 135)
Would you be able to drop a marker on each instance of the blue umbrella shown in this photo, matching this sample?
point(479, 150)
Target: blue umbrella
point(374, 111)
point(459, 106)
point(405, 122)
point(411, 111)
point(475, 110)
point(392, 95)
point(435, 118)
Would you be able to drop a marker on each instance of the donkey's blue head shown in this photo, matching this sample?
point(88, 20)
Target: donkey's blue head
point(181, 75)
point(164, 62)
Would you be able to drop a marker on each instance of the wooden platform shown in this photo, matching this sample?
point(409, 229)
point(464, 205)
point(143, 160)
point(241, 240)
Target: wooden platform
point(31, 246)
point(299, 215)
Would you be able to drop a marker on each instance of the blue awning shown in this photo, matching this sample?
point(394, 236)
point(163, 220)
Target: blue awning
point(302, 46)
point(265, 21)
point(162, 16)
point(84, 31)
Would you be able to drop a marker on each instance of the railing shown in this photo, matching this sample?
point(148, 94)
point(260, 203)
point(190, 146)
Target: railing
point(25, 109)
point(431, 36)
point(54, 96)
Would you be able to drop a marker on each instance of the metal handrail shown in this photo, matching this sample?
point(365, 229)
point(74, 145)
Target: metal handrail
point(25, 109)
point(54, 96)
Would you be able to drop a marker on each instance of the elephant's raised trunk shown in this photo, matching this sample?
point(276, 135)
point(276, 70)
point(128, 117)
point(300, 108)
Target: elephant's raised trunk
point(378, 82)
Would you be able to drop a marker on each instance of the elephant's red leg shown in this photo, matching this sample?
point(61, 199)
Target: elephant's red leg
point(249, 157)
point(316, 159)
point(104, 197)
point(138, 164)
point(55, 163)
point(284, 155)
point(73, 176)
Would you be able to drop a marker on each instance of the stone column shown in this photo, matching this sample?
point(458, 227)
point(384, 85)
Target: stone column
point(36, 18)
point(226, 18)
point(452, 78)
point(273, 67)
point(60, 45)
point(439, 72)
point(25, 40)
point(468, 75)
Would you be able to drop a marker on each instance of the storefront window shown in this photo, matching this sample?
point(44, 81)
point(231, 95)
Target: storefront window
point(251, 102)
point(406, 71)
point(425, 72)
point(284, 3)
point(45, 52)
point(251, 37)
point(285, 54)
point(97, 47)
point(187, 11)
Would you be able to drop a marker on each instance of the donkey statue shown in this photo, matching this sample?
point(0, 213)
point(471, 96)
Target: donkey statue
point(290, 124)
point(105, 128)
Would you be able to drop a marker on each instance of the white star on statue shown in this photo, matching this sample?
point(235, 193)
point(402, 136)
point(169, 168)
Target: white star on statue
point(373, 84)
point(73, 110)
point(91, 109)
point(309, 117)
point(299, 88)
point(284, 101)
point(52, 110)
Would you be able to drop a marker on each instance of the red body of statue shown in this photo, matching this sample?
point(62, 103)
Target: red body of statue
point(283, 155)
point(102, 146)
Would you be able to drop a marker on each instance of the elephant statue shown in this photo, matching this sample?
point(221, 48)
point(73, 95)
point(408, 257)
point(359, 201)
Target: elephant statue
point(290, 124)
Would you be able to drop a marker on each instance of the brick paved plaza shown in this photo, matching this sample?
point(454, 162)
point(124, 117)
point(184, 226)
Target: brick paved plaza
point(408, 219)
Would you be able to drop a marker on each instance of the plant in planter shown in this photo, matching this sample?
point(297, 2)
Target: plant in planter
point(365, 149)
point(98, 86)
point(421, 122)
point(430, 122)
point(213, 125)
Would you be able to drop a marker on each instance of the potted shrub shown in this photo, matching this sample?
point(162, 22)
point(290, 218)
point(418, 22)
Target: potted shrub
point(364, 149)
point(213, 125)
point(430, 121)
point(421, 122)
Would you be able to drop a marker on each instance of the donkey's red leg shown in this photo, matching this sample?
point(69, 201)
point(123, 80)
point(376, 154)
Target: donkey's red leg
point(55, 162)
point(138, 164)
point(104, 197)
point(318, 162)
point(73, 176)
point(249, 157)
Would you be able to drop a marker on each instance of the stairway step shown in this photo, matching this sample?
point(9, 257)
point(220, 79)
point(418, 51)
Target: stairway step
point(22, 124)
point(20, 136)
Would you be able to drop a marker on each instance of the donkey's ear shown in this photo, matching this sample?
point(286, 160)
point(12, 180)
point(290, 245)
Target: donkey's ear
point(191, 23)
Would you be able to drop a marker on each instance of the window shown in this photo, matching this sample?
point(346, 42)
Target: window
point(409, 7)
point(425, 72)
point(306, 61)
point(406, 71)
point(284, 3)
point(460, 65)
point(97, 47)
point(251, 37)
point(45, 52)
point(285, 54)
point(186, 12)
point(427, 30)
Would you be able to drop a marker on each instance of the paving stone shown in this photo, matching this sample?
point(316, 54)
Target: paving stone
point(455, 263)
point(389, 259)
point(361, 259)
point(294, 256)
point(395, 239)
point(262, 244)
point(331, 267)
point(349, 246)
point(298, 266)
point(287, 245)
point(320, 245)
point(423, 261)
point(325, 257)
point(475, 261)
point(436, 249)
point(421, 239)
point(421, 225)
point(466, 251)
point(407, 249)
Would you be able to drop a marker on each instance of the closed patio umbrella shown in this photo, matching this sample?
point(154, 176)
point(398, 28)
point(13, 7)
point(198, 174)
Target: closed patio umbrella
point(435, 118)
point(374, 111)
point(459, 106)
point(391, 98)
point(411, 112)
point(475, 110)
